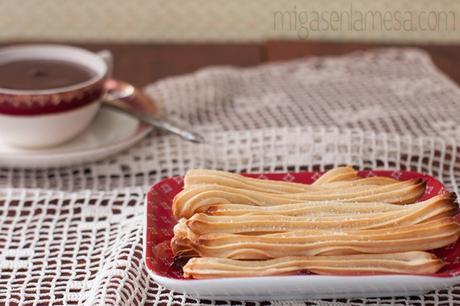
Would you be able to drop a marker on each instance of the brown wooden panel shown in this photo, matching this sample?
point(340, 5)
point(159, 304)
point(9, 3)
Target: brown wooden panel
point(141, 64)
point(446, 57)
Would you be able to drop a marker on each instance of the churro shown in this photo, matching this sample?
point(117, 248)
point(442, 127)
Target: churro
point(202, 223)
point(199, 198)
point(368, 264)
point(418, 237)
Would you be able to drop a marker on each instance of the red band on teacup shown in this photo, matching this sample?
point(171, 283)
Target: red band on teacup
point(29, 105)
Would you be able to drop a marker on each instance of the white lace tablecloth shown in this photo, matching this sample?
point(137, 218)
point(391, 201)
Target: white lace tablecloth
point(73, 236)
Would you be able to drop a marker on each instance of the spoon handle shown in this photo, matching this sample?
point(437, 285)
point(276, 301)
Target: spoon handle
point(159, 123)
point(117, 90)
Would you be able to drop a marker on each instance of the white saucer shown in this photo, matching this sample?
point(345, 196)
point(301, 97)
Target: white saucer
point(109, 133)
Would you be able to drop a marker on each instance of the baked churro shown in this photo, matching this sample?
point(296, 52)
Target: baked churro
point(367, 264)
point(342, 224)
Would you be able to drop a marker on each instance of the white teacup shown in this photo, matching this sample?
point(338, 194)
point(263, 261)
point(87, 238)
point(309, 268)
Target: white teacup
point(41, 118)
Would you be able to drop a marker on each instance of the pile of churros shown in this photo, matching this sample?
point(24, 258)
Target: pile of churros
point(234, 226)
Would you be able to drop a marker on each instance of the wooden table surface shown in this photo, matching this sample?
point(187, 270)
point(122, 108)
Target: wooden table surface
point(142, 64)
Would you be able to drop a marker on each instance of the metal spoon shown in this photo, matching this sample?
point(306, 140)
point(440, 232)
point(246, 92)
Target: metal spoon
point(122, 90)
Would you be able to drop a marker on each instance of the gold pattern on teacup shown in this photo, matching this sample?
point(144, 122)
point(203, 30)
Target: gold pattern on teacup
point(34, 100)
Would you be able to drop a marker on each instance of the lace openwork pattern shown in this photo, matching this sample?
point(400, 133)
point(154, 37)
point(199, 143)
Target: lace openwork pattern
point(73, 236)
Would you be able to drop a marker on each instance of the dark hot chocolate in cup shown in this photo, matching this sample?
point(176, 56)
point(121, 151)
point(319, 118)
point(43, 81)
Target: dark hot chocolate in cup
point(38, 74)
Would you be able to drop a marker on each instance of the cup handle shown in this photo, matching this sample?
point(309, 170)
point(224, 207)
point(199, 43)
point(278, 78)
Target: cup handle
point(107, 57)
